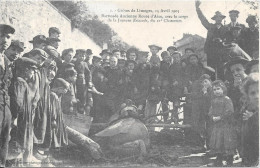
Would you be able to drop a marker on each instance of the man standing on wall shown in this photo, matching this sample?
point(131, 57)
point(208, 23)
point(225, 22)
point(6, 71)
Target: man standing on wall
point(216, 33)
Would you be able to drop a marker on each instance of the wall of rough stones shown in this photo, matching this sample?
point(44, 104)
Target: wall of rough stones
point(31, 18)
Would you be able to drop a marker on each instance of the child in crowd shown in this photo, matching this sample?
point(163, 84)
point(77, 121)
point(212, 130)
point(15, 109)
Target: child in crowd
point(176, 73)
point(24, 106)
point(59, 135)
point(164, 77)
point(116, 53)
point(84, 81)
point(155, 59)
point(193, 71)
point(250, 127)
point(129, 85)
point(66, 56)
point(141, 81)
point(200, 104)
point(68, 100)
point(131, 54)
point(223, 138)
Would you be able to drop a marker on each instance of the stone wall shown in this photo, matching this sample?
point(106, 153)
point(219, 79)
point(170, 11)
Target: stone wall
point(31, 18)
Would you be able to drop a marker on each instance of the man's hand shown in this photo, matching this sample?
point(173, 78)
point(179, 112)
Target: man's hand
point(197, 3)
point(215, 119)
point(247, 115)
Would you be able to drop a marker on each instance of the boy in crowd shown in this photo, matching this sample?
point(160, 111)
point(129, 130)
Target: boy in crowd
point(164, 77)
point(188, 52)
point(155, 59)
point(99, 81)
point(116, 53)
point(59, 135)
point(14, 51)
point(193, 70)
point(66, 56)
point(123, 54)
point(68, 100)
point(141, 80)
point(112, 91)
point(51, 49)
point(84, 81)
point(23, 106)
point(131, 54)
point(175, 91)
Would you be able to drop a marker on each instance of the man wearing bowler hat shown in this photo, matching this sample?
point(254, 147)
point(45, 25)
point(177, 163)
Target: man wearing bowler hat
point(6, 35)
point(216, 33)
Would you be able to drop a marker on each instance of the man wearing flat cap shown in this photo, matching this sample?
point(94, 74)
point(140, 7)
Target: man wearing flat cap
point(251, 37)
point(51, 49)
point(22, 105)
point(88, 56)
point(54, 32)
point(14, 50)
point(216, 33)
point(6, 35)
point(233, 14)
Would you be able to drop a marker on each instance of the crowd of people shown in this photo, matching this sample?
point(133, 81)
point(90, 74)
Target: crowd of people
point(42, 86)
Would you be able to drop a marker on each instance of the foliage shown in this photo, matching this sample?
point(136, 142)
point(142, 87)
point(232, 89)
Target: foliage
point(253, 4)
point(81, 18)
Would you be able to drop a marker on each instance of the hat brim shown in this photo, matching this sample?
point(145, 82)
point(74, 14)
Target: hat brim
point(238, 61)
point(222, 17)
point(159, 48)
point(7, 28)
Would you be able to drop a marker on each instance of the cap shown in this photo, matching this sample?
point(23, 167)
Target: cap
point(69, 66)
point(187, 49)
point(105, 51)
point(89, 52)
point(39, 39)
point(59, 82)
point(97, 57)
point(172, 48)
point(236, 60)
point(164, 53)
point(80, 51)
point(115, 50)
point(122, 51)
point(154, 45)
point(234, 12)
point(54, 30)
point(24, 62)
point(66, 51)
point(18, 44)
point(6, 29)
point(40, 52)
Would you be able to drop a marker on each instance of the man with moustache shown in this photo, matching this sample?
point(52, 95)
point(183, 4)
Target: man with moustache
point(6, 34)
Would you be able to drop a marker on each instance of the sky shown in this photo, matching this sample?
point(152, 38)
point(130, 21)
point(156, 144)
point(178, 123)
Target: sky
point(163, 34)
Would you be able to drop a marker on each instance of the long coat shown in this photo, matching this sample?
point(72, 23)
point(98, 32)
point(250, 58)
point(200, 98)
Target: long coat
point(24, 109)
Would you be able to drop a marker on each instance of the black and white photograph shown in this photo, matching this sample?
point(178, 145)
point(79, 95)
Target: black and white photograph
point(114, 83)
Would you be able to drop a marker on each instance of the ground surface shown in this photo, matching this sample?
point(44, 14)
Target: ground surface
point(168, 149)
